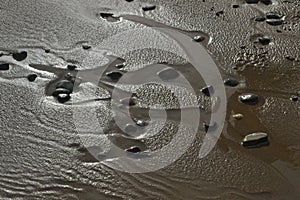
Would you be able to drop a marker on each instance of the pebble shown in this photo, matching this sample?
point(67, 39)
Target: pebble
point(141, 123)
point(4, 67)
point(238, 116)
point(130, 128)
point(208, 90)
point(210, 126)
point(47, 50)
point(267, 2)
point(129, 0)
point(133, 149)
point(121, 65)
point(168, 74)
point(252, 1)
point(31, 77)
point(255, 140)
point(272, 15)
point(290, 58)
point(65, 84)
point(199, 38)
point(235, 6)
point(86, 46)
point(110, 17)
point(148, 8)
point(294, 98)
point(20, 56)
point(62, 98)
point(264, 40)
point(260, 19)
point(59, 91)
point(114, 75)
point(250, 99)
point(71, 67)
point(231, 82)
point(274, 22)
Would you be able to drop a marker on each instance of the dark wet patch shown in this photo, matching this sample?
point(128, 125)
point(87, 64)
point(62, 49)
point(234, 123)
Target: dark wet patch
point(20, 56)
point(220, 13)
point(47, 50)
point(4, 67)
point(235, 6)
point(32, 77)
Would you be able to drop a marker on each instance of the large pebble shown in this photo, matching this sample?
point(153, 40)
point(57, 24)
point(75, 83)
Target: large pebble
point(249, 98)
point(255, 140)
point(59, 91)
point(20, 56)
point(231, 82)
point(63, 98)
point(31, 77)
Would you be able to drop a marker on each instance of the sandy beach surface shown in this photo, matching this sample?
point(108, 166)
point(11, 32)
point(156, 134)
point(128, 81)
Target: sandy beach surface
point(63, 133)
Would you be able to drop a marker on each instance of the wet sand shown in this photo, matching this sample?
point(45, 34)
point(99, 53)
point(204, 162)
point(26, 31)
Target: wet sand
point(43, 155)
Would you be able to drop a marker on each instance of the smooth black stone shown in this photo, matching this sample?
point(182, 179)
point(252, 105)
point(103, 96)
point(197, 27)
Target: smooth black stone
point(134, 149)
point(62, 98)
point(129, 0)
point(272, 15)
point(252, 1)
point(274, 22)
point(235, 6)
point(209, 90)
point(71, 67)
point(210, 126)
point(168, 74)
point(114, 75)
point(121, 65)
point(294, 98)
point(264, 40)
point(267, 2)
point(4, 67)
point(20, 56)
point(231, 82)
point(250, 99)
point(59, 91)
point(32, 77)
point(199, 38)
point(47, 50)
point(260, 19)
point(86, 46)
point(148, 8)
point(141, 123)
point(65, 84)
point(130, 129)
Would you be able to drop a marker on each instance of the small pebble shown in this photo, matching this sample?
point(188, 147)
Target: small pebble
point(252, 1)
point(231, 82)
point(207, 90)
point(114, 75)
point(235, 6)
point(62, 98)
point(86, 46)
point(47, 50)
point(148, 8)
point(71, 67)
point(65, 84)
point(294, 98)
point(20, 56)
point(134, 149)
point(59, 91)
point(168, 74)
point(238, 116)
point(31, 77)
point(199, 38)
point(250, 99)
point(4, 67)
point(264, 40)
point(255, 140)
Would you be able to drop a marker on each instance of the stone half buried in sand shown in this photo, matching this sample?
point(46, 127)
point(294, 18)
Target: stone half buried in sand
point(255, 140)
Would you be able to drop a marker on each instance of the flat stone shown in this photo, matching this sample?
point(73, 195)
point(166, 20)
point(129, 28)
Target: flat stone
point(149, 8)
point(4, 67)
point(274, 22)
point(208, 90)
point(133, 149)
point(249, 98)
point(20, 56)
point(255, 140)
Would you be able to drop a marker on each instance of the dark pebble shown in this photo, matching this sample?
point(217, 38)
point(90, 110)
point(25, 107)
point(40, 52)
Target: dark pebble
point(207, 90)
point(294, 98)
point(210, 126)
point(272, 15)
point(62, 98)
point(267, 2)
point(199, 38)
point(4, 67)
point(235, 6)
point(114, 75)
point(148, 8)
point(260, 19)
point(290, 58)
point(71, 67)
point(231, 82)
point(121, 65)
point(130, 129)
point(274, 22)
point(20, 56)
point(255, 140)
point(141, 123)
point(32, 77)
point(86, 46)
point(59, 91)
point(47, 50)
point(220, 13)
point(110, 17)
point(264, 40)
point(252, 1)
point(168, 74)
point(250, 99)
point(129, 0)
point(134, 149)
point(65, 84)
